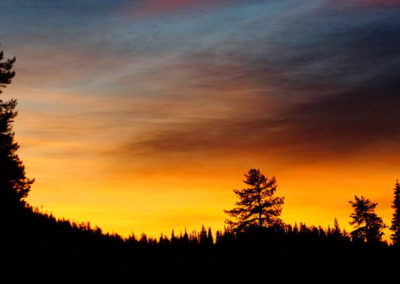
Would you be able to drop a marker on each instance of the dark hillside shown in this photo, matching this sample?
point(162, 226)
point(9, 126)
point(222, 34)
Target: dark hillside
point(37, 247)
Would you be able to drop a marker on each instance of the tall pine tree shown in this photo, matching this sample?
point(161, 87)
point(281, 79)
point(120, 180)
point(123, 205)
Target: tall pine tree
point(14, 185)
point(396, 216)
point(368, 226)
point(257, 205)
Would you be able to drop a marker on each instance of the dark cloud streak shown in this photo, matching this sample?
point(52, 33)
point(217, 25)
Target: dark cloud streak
point(333, 78)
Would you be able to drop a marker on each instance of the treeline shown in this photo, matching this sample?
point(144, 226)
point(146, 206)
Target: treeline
point(37, 246)
point(283, 233)
point(31, 222)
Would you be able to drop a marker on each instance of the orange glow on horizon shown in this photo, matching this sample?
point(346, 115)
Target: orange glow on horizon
point(157, 200)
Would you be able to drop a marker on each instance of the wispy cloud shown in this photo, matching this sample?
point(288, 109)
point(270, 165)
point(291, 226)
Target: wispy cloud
point(140, 9)
point(366, 3)
point(302, 90)
point(142, 87)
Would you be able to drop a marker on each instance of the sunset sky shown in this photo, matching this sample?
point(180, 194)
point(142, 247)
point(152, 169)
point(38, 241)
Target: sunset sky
point(143, 115)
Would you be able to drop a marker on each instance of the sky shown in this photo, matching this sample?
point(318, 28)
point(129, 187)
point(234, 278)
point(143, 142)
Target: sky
point(143, 116)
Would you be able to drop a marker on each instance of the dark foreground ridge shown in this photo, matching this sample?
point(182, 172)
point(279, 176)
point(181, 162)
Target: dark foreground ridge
point(37, 247)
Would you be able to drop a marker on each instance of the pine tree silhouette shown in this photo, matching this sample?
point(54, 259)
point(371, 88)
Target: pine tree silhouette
point(203, 236)
point(396, 216)
point(210, 238)
point(368, 226)
point(14, 185)
point(257, 205)
point(336, 228)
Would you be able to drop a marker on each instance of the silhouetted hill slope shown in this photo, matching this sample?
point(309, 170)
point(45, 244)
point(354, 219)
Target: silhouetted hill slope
point(37, 247)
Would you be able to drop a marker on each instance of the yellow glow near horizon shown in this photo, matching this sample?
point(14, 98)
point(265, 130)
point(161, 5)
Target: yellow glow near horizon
point(158, 200)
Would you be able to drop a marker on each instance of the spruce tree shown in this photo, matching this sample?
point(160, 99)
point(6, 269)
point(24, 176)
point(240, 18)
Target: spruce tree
point(257, 206)
point(210, 238)
point(368, 226)
point(396, 216)
point(14, 185)
point(203, 236)
point(336, 228)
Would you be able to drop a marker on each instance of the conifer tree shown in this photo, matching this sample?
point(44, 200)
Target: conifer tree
point(368, 226)
point(336, 228)
point(295, 229)
point(257, 205)
point(218, 237)
point(210, 238)
point(396, 216)
point(203, 236)
point(185, 239)
point(14, 185)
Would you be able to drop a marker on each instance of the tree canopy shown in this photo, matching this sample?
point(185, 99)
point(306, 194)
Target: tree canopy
point(257, 205)
point(368, 226)
point(14, 185)
point(396, 215)
point(6, 71)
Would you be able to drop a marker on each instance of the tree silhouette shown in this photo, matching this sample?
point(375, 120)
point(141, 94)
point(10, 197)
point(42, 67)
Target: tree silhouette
point(257, 205)
point(203, 238)
point(336, 228)
point(210, 238)
point(14, 185)
point(396, 216)
point(368, 226)
point(6, 72)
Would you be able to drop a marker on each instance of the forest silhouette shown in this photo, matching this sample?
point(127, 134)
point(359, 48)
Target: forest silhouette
point(255, 245)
